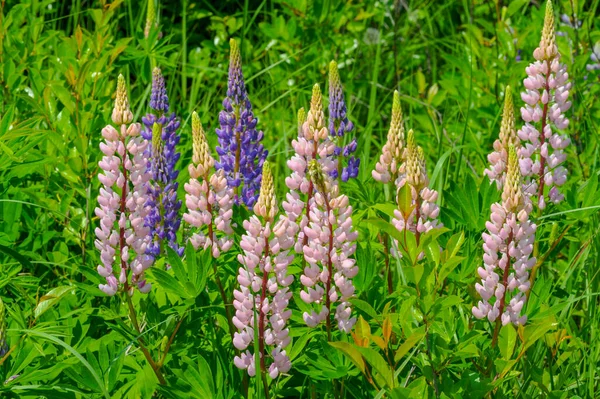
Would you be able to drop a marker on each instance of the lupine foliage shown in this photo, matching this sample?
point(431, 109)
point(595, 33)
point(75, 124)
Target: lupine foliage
point(406, 249)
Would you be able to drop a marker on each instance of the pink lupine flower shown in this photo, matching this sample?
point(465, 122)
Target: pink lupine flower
point(327, 277)
point(423, 217)
point(313, 142)
point(208, 198)
point(122, 233)
point(546, 101)
point(392, 155)
point(264, 285)
point(507, 246)
point(508, 136)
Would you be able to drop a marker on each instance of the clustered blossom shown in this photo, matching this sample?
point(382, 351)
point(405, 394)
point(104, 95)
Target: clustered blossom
point(163, 206)
point(508, 136)
point(122, 234)
point(312, 143)
point(264, 284)
point(327, 277)
point(208, 197)
point(241, 154)
point(392, 155)
point(422, 217)
point(507, 247)
point(546, 101)
point(339, 127)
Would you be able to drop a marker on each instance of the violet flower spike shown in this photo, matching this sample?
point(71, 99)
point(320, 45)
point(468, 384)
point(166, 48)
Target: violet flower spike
point(327, 277)
point(264, 285)
point(208, 198)
point(121, 200)
point(241, 154)
point(507, 245)
point(163, 206)
point(546, 101)
point(392, 154)
point(508, 136)
point(340, 127)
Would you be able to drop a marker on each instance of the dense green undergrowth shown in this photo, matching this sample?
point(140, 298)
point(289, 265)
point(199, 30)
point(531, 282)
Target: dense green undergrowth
point(451, 62)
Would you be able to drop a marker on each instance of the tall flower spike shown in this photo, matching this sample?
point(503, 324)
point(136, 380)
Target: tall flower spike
point(327, 277)
point(507, 247)
point(392, 155)
point(122, 234)
point(150, 17)
point(313, 142)
point(423, 216)
point(339, 127)
point(241, 154)
point(508, 136)
point(208, 198)
point(264, 285)
point(163, 206)
point(545, 97)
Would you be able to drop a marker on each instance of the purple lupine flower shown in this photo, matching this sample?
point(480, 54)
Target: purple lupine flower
point(161, 130)
point(122, 199)
point(208, 198)
point(507, 247)
point(264, 285)
point(423, 216)
point(546, 101)
point(313, 142)
point(327, 278)
point(241, 154)
point(340, 128)
point(508, 136)
point(392, 153)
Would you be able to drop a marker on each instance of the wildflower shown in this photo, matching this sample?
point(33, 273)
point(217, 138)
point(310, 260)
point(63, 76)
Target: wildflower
point(507, 246)
point(387, 169)
point(208, 197)
point(327, 277)
point(424, 211)
point(508, 136)
point(313, 142)
point(161, 130)
point(545, 96)
point(595, 58)
point(150, 18)
point(241, 155)
point(340, 126)
point(122, 233)
point(264, 284)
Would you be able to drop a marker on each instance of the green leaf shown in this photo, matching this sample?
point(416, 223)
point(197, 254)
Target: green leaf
point(379, 364)
point(410, 342)
point(51, 298)
point(352, 352)
point(168, 282)
point(507, 340)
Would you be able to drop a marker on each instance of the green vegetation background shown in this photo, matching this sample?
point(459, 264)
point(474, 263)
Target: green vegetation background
point(450, 60)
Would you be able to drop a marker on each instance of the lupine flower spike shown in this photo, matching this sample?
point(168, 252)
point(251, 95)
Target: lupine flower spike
point(327, 277)
point(150, 17)
point(312, 143)
point(241, 154)
point(340, 127)
point(392, 155)
point(507, 247)
point(264, 285)
point(508, 136)
point(208, 198)
point(122, 234)
point(161, 129)
point(546, 101)
point(3, 345)
point(425, 211)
